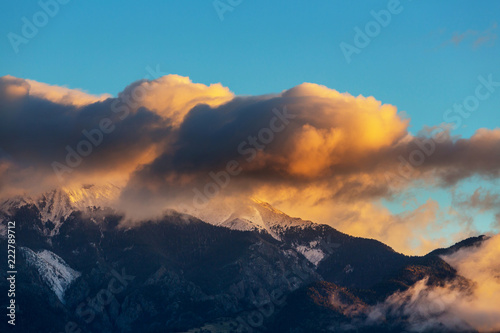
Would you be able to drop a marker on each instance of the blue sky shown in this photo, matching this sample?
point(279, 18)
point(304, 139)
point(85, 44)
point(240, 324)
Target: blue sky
point(426, 59)
point(262, 47)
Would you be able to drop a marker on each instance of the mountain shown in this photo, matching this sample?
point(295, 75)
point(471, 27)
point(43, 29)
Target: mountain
point(52, 269)
point(58, 204)
point(249, 269)
point(466, 243)
point(252, 214)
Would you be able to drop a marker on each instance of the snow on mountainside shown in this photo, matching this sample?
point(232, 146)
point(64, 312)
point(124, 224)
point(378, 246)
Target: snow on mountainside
point(243, 215)
point(312, 252)
point(251, 215)
point(259, 215)
point(60, 203)
point(52, 269)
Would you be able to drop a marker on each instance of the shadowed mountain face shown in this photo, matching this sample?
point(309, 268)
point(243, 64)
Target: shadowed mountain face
point(84, 272)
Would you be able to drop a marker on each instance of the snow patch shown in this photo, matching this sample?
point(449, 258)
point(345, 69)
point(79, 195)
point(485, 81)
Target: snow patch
point(251, 214)
point(240, 224)
point(313, 255)
point(60, 203)
point(52, 269)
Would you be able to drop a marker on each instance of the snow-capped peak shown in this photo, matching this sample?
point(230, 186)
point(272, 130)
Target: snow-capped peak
point(251, 214)
point(52, 269)
point(60, 203)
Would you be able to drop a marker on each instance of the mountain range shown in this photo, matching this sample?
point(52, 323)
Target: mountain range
point(83, 268)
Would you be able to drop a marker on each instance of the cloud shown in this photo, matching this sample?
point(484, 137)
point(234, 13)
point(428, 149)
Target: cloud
point(458, 305)
point(483, 200)
point(337, 149)
point(63, 95)
point(14, 88)
point(455, 160)
point(416, 231)
point(475, 38)
point(312, 151)
point(39, 129)
point(173, 96)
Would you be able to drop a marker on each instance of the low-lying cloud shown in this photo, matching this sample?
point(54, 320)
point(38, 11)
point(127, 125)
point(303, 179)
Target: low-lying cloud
point(310, 150)
point(456, 306)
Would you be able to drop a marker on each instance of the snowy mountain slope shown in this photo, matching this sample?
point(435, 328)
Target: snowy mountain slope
point(181, 265)
point(258, 215)
point(251, 214)
point(311, 251)
point(244, 215)
point(60, 203)
point(52, 269)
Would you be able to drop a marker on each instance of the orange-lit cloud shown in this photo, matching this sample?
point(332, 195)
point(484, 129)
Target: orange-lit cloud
point(310, 150)
point(173, 96)
point(63, 95)
point(14, 88)
point(459, 307)
point(413, 232)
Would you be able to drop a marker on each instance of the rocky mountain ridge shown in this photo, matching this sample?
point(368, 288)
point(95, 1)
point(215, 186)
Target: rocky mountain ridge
point(179, 273)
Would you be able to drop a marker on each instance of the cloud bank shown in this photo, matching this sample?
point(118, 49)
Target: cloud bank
point(312, 151)
point(455, 306)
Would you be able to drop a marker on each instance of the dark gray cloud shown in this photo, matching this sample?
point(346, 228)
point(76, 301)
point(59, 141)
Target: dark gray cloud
point(169, 135)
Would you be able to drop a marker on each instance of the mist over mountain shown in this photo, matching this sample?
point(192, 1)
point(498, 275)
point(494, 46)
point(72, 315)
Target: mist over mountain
point(312, 151)
point(236, 166)
point(251, 268)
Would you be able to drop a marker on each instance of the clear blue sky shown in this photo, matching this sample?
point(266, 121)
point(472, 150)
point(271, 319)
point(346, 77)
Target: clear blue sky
point(268, 46)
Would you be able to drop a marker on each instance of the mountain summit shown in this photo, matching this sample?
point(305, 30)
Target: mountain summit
point(240, 268)
point(58, 204)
